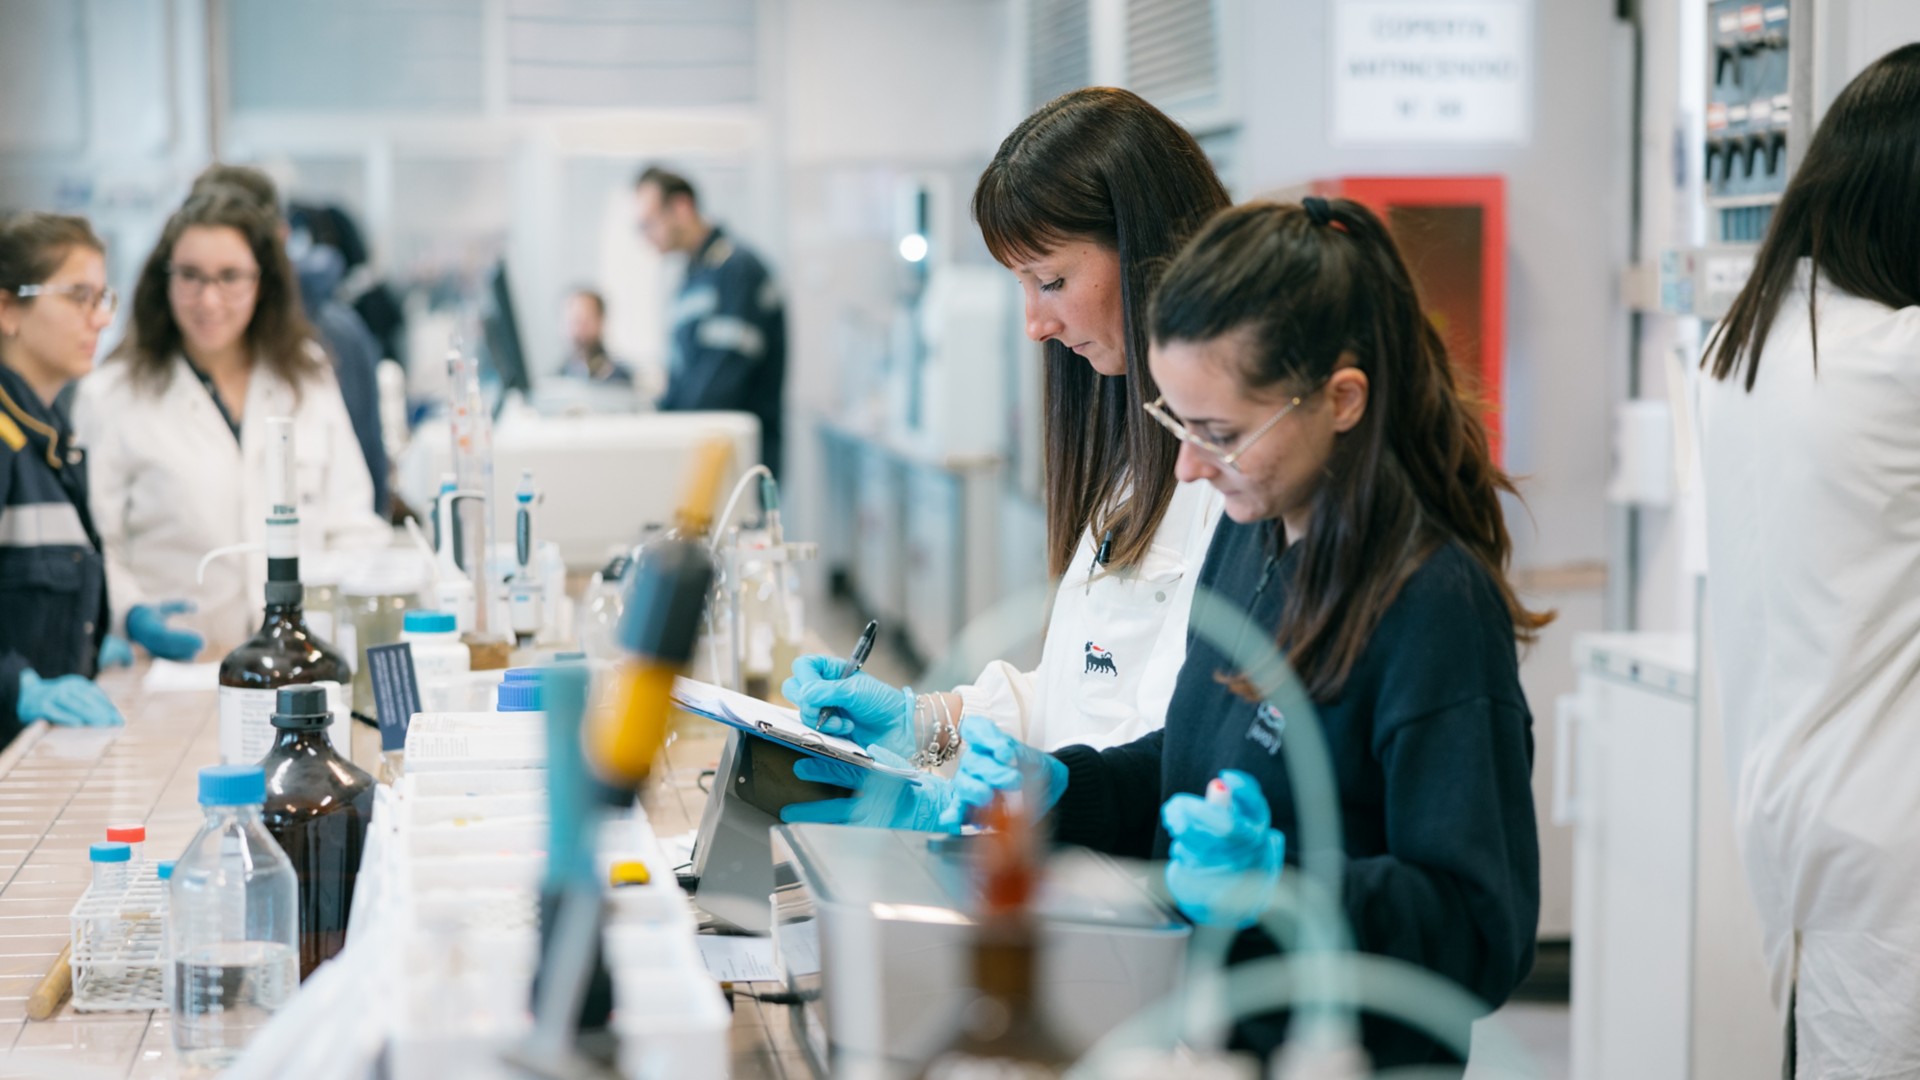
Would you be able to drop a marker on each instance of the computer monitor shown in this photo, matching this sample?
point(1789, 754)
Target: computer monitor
point(502, 331)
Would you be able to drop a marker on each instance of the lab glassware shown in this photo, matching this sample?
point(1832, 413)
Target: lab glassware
point(232, 922)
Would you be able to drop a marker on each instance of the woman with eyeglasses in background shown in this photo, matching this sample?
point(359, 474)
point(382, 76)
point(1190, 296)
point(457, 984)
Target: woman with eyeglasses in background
point(173, 420)
point(54, 302)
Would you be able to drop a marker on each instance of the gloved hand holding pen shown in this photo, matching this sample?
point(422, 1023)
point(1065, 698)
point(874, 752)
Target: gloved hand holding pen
point(837, 700)
point(1226, 856)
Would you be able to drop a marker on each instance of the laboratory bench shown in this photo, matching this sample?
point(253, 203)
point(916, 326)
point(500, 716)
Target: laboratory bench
point(61, 788)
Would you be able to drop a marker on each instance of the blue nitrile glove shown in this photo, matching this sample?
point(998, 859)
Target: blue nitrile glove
point(881, 801)
point(1226, 856)
point(147, 626)
point(865, 709)
point(70, 701)
point(996, 761)
point(115, 652)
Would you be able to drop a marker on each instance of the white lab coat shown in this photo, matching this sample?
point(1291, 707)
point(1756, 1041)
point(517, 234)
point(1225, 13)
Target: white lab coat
point(1812, 487)
point(169, 484)
point(1114, 644)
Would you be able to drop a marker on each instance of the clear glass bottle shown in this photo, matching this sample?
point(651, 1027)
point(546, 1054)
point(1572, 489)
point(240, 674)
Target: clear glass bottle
point(233, 923)
point(1004, 1034)
point(317, 807)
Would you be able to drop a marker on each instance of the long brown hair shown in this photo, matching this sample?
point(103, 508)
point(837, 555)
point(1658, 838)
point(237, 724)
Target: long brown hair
point(1100, 165)
point(278, 334)
point(1852, 208)
point(1414, 473)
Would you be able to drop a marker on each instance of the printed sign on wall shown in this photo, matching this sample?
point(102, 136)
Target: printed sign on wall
point(1432, 71)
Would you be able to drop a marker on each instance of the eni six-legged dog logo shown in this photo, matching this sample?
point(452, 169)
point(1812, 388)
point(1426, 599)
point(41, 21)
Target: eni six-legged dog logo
point(1099, 659)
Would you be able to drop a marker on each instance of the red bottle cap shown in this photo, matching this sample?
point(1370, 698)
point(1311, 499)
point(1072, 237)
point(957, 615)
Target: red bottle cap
point(128, 834)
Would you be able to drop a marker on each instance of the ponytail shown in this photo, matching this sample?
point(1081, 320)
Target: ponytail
point(1317, 286)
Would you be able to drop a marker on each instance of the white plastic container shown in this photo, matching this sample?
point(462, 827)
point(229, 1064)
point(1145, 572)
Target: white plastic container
point(438, 656)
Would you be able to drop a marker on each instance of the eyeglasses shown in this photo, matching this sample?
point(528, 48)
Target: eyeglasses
point(1225, 455)
point(231, 283)
point(102, 301)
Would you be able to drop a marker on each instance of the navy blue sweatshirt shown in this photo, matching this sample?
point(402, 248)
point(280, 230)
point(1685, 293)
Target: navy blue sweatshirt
point(1432, 746)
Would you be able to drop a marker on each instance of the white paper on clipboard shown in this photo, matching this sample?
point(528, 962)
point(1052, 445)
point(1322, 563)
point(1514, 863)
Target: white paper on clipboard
point(774, 722)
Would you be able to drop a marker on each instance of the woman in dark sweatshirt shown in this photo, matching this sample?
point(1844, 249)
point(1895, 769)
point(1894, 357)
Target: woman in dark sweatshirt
point(1366, 537)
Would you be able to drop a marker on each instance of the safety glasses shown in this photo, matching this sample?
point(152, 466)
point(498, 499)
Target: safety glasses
point(103, 301)
point(1225, 454)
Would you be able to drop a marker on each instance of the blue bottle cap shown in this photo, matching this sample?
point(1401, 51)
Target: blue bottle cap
point(109, 851)
point(568, 657)
point(519, 691)
point(428, 622)
point(233, 785)
point(165, 870)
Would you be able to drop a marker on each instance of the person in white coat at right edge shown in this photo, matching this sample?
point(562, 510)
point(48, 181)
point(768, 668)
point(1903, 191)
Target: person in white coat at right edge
point(1086, 201)
point(1811, 449)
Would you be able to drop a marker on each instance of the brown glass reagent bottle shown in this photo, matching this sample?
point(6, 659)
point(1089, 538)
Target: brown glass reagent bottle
point(318, 805)
point(1004, 1034)
point(283, 652)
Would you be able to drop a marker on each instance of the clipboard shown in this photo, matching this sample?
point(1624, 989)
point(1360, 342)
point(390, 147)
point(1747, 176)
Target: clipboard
point(775, 724)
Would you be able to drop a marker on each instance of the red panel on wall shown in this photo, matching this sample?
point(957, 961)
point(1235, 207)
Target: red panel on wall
point(1452, 230)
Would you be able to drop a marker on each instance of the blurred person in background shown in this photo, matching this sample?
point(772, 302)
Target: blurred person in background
point(587, 357)
point(350, 345)
point(729, 337)
point(54, 617)
point(174, 418)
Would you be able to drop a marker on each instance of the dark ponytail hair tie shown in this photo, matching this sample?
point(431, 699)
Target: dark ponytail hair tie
point(1317, 210)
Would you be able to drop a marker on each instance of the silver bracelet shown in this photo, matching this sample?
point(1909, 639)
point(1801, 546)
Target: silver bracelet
point(930, 730)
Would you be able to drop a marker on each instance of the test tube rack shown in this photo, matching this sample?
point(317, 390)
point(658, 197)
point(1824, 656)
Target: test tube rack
point(119, 946)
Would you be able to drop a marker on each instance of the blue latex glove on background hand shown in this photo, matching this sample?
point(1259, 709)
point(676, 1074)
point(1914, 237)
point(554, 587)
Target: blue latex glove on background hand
point(115, 652)
point(69, 701)
point(867, 710)
point(996, 761)
point(923, 804)
point(1226, 856)
point(147, 626)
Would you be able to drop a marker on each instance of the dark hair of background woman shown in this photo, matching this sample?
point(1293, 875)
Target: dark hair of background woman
point(1852, 207)
point(278, 336)
point(1415, 472)
point(1100, 165)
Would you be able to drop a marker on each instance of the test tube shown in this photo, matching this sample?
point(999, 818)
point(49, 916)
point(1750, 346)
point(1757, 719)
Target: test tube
point(134, 836)
point(110, 862)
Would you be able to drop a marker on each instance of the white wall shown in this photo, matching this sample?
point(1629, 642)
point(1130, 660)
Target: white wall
point(1566, 239)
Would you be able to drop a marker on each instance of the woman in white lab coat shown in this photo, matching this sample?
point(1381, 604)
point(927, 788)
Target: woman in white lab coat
point(1811, 448)
point(1086, 201)
point(173, 421)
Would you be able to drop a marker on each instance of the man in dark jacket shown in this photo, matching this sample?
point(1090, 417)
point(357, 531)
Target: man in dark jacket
point(729, 346)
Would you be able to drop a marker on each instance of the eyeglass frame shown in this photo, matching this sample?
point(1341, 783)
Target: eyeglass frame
point(107, 296)
point(1178, 427)
point(198, 283)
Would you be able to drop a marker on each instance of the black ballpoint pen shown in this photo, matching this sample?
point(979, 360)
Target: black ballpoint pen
point(861, 649)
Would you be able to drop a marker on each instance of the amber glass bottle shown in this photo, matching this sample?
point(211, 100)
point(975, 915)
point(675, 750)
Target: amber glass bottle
point(283, 652)
point(318, 804)
point(1004, 1033)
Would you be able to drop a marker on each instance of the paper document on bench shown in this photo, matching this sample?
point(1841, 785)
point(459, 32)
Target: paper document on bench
point(774, 722)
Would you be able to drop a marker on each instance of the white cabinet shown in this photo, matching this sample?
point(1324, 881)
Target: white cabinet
point(1634, 755)
point(1665, 953)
